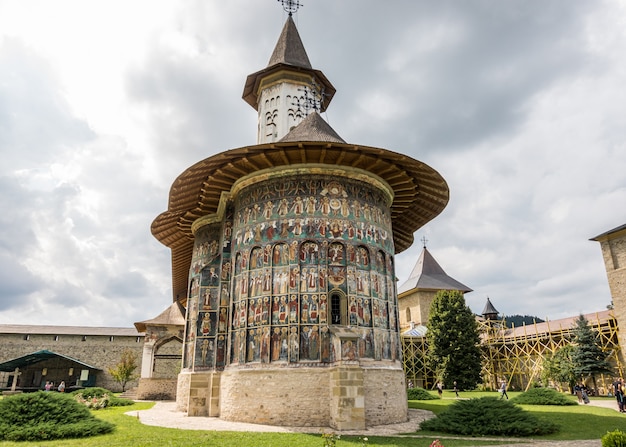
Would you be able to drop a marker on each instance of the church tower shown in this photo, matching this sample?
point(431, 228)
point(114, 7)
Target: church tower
point(416, 294)
point(283, 255)
point(613, 246)
point(287, 89)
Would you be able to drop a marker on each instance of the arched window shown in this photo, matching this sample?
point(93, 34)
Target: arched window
point(408, 314)
point(338, 308)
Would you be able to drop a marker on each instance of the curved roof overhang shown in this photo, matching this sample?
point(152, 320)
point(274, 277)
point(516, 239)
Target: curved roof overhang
point(253, 83)
point(420, 192)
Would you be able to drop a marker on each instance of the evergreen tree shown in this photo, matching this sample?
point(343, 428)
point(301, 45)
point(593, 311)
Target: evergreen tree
point(453, 341)
point(588, 358)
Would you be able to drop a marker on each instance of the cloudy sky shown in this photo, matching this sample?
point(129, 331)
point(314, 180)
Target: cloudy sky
point(520, 105)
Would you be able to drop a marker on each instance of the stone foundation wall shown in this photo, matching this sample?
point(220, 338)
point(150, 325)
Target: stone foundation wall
point(182, 391)
point(289, 396)
point(385, 396)
point(343, 397)
point(156, 389)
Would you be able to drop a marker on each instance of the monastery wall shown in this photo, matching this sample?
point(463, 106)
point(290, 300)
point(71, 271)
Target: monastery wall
point(100, 351)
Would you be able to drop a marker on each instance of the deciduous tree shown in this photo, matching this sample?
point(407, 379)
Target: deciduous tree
point(559, 367)
point(124, 371)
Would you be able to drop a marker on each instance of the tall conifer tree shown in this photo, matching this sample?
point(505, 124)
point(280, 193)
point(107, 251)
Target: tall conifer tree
point(453, 341)
point(587, 356)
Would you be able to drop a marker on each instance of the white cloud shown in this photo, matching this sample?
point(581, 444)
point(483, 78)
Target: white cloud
point(102, 104)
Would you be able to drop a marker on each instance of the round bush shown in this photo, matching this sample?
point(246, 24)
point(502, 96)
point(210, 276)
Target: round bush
point(488, 416)
point(615, 438)
point(419, 394)
point(543, 396)
point(44, 415)
point(102, 395)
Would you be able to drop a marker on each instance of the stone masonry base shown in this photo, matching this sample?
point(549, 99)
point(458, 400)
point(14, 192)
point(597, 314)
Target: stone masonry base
point(344, 397)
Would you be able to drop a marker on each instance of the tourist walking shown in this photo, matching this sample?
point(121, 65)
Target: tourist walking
point(61, 387)
point(618, 391)
point(578, 390)
point(456, 389)
point(440, 390)
point(503, 390)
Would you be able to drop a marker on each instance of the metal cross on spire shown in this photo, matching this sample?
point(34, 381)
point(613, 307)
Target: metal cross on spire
point(424, 241)
point(291, 6)
point(312, 98)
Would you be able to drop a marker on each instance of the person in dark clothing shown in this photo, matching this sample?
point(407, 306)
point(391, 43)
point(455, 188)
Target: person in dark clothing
point(503, 390)
point(618, 391)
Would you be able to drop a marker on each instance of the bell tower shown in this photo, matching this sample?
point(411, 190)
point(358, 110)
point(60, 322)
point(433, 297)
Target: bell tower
point(288, 89)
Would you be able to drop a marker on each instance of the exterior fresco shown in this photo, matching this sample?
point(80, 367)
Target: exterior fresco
point(207, 307)
point(310, 252)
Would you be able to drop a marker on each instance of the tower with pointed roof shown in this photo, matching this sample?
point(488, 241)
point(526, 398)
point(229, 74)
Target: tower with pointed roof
point(416, 294)
point(287, 88)
point(613, 246)
point(283, 256)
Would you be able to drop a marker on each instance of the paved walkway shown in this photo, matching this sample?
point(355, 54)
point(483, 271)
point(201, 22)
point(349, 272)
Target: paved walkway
point(164, 414)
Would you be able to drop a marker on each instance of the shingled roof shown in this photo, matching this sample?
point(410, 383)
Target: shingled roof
point(313, 128)
point(428, 274)
point(289, 49)
point(289, 54)
point(606, 234)
point(174, 315)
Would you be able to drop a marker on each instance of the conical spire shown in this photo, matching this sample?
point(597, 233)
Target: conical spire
point(428, 274)
point(489, 312)
point(283, 92)
point(289, 49)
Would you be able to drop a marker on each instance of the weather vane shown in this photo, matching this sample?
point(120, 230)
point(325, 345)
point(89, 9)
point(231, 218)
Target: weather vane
point(290, 6)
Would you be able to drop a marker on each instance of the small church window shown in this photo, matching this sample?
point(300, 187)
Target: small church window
point(26, 337)
point(338, 309)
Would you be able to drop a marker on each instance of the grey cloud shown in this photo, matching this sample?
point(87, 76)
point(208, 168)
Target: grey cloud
point(35, 123)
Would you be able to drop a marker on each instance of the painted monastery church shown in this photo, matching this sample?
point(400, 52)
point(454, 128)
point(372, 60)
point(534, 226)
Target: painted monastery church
point(285, 309)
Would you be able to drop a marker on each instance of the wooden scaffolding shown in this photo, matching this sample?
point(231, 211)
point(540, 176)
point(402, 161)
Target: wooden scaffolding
point(516, 354)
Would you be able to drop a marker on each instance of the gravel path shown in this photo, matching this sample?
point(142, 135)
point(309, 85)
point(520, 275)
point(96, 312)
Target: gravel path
point(164, 414)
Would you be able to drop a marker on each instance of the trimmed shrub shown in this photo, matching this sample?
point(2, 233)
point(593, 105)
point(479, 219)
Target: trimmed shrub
point(615, 438)
point(488, 416)
point(419, 394)
point(95, 397)
point(42, 416)
point(543, 396)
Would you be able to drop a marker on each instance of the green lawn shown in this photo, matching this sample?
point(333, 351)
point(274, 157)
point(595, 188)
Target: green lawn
point(577, 422)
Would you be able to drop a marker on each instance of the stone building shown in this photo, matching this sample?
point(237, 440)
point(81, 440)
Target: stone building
point(162, 354)
point(613, 246)
point(283, 256)
point(416, 294)
point(78, 355)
